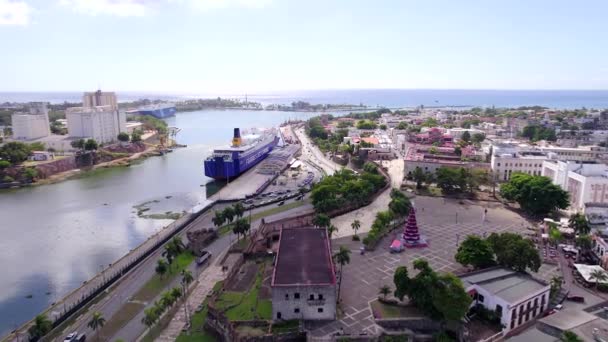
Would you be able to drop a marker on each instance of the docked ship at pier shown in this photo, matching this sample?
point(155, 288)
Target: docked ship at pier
point(244, 153)
point(159, 110)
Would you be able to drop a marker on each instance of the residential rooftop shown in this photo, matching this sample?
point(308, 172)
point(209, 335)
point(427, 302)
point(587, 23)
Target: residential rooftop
point(507, 284)
point(304, 258)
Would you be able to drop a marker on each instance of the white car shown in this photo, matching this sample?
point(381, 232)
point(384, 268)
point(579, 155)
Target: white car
point(71, 337)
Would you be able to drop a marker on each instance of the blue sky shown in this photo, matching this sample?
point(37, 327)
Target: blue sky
point(238, 46)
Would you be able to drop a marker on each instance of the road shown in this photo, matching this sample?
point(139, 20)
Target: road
point(314, 155)
point(132, 282)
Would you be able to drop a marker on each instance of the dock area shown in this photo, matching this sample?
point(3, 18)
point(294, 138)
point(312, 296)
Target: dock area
point(256, 179)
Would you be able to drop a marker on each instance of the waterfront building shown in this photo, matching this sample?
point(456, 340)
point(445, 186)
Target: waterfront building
point(517, 298)
point(31, 125)
point(304, 280)
point(587, 183)
point(98, 119)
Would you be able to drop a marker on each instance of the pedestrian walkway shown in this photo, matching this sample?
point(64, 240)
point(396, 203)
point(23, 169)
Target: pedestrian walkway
point(206, 281)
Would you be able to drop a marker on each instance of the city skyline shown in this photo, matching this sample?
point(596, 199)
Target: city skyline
point(264, 46)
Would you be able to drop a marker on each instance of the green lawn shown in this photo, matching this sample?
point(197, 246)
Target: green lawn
point(119, 319)
point(383, 310)
point(239, 306)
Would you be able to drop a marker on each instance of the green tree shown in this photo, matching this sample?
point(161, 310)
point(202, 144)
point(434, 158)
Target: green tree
point(229, 214)
point(569, 336)
point(91, 145)
point(356, 225)
point(478, 138)
point(176, 294)
point(418, 176)
point(331, 230)
point(535, 194)
point(97, 322)
point(515, 252)
point(42, 326)
point(385, 290)
point(420, 289)
point(399, 207)
point(556, 286)
point(584, 242)
point(476, 252)
point(150, 317)
point(78, 143)
point(402, 125)
point(450, 297)
point(579, 223)
point(167, 299)
point(342, 257)
point(402, 282)
point(383, 127)
point(30, 174)
point(218, 218)
point(321, 221)
point(123, 137)
point(600, 276)
point(241, 227)
point(4, 164)
point(187, 278)
point(136, 136)
point(466, 136)
point(161, 268)
point(239, 210)
point(14, 152)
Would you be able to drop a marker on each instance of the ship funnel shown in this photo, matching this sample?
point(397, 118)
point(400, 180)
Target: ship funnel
point(236, 139)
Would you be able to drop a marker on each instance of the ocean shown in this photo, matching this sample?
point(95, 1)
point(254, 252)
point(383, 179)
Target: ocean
point(392, 98)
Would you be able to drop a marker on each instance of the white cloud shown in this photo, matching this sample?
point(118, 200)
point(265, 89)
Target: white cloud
point(216, 4)
point(14, 12)
point(122, 8)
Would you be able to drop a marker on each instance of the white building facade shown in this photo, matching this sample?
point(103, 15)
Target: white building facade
point(586, 183)
point(516, 298)
point(509, 158)
point(32, 125)
point(98, 119)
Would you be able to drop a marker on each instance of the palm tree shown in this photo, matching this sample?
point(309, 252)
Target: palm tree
point(569, 336)
point(385, 290)
point(167, 299)
point(170, 253)
point(176, 293)
point(229, 214)
point(161, 268)
point(97, 321)
point(331, 230)
point(239, 210)
point(356, 225)
point(178, 243)
point(218, 219)
point(150, 317)
point(187, 278)
point(579, 223)
point(342, 257)
point(42, 326)
point(599, 276)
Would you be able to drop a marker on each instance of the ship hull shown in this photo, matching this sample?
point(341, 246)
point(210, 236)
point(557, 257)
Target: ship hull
point(159, 113)
point(220, 168)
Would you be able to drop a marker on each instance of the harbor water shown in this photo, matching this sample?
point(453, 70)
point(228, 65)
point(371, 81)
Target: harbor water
point(56, 236)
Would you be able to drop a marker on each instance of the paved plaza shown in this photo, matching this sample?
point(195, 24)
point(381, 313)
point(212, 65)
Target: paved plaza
point(444, 223)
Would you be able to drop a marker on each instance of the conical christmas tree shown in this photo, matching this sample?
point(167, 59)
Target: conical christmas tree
point(411, 234)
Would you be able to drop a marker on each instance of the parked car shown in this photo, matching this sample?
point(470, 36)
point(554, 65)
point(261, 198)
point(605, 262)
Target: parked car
point(81, 338)
point(578, 299)
point(205, 256)
point(281, 203)
point(71, 337)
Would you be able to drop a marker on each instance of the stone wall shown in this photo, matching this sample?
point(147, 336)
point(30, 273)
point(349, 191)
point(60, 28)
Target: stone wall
point(284, 301)
point(60, 165)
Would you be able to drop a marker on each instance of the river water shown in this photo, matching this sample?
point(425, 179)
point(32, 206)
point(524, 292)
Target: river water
point(54, 237)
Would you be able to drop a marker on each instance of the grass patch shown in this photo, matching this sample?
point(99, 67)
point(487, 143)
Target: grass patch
point(218, 286)
point(197, 331)
point(156, 285)
point(383, 310)
point(169, 215)
point(240, 306)
point(285, 326)
point(126, 313)
point(250, 331)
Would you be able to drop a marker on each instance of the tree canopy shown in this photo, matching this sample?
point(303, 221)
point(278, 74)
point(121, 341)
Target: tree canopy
point(345, 188)
point(454, 181)
point(15, 152)
point(476, 252)
point(535, 194)
point(515, 252)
